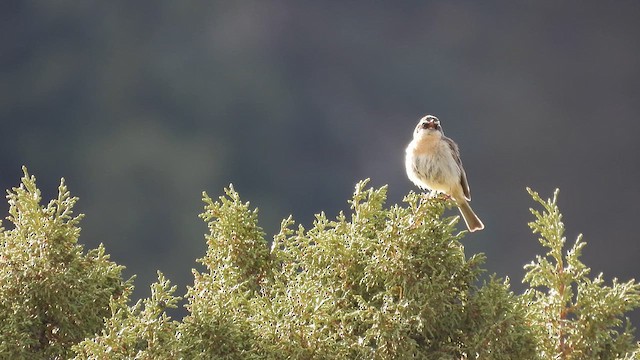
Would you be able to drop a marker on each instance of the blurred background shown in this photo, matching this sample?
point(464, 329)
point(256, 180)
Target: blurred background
point(142, 105)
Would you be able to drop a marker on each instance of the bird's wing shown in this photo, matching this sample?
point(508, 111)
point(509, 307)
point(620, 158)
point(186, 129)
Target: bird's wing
point(463, 176)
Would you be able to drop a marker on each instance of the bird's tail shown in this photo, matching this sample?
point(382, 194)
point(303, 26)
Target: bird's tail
point(470, 218)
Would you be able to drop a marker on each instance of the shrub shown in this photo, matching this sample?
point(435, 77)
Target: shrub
point(382, 282)
point(52, 293)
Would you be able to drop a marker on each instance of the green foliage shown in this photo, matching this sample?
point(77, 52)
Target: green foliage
point(576, 317)
point(385, 284)
point(377, 283)
point(52, 295)
point(142, 331)
point(237, 263)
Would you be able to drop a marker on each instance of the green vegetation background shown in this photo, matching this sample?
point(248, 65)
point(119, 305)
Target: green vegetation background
point(381, 282)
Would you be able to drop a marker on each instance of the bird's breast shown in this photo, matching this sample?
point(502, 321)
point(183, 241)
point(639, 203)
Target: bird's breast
point(433, 165)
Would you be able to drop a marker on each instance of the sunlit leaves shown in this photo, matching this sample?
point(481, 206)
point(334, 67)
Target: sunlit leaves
point(378, 282)
point(384, 283)
point(52, 293)
point(577, 317)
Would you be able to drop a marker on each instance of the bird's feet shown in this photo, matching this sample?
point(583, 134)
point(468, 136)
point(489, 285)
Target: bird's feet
point(432, 194)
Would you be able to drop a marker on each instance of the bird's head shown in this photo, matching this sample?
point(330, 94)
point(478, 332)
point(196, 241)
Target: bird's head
point(428, 126)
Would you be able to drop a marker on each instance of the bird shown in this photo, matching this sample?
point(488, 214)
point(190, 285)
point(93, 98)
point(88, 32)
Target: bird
point(433, 163)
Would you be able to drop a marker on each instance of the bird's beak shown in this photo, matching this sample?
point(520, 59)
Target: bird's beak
point(431, 125)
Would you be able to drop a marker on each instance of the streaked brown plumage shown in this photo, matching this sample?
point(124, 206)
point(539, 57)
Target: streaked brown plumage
point(433, 163)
